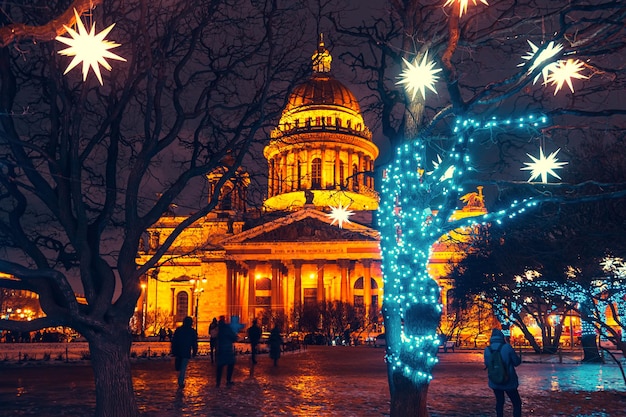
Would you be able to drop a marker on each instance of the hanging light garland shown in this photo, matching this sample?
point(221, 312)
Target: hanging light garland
point(89, 48)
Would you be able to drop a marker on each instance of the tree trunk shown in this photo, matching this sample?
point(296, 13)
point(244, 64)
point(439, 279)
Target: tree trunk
point(110, 360)
point(407, 399)
point(590, 349)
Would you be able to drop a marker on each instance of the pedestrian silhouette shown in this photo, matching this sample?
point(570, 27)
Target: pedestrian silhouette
point(184, 346)
point(213, 338)
point(276, 344)
point(254, 336)
point(509, 383)
point(225, 352)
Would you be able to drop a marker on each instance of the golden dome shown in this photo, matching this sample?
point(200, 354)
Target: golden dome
point(322, 88)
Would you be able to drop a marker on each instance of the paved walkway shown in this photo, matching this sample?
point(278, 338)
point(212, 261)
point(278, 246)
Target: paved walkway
point(321, 381)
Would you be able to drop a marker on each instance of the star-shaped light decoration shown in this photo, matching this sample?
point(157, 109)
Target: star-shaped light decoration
point(446, 175)
point(418, 77)
point(610, 263)
point(340, 215)
point(564, 71)
point(463, 4)
point(542, 166)
point(89, 48)
point(543, 60)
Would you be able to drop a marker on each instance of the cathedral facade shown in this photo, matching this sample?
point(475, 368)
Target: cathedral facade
point(296, 254)
point(320, 158)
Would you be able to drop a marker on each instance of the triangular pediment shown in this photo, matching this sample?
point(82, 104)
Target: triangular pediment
point(307, 225)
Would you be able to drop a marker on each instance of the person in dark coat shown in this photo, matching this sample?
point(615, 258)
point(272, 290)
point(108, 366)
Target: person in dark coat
point(254, 337)
point(213, 337)
point(184, 347)
point(225, 352)
point(511, 360)
point(276, 344)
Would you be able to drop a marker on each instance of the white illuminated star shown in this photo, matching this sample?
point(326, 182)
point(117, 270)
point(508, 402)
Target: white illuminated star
point(340, 215)
point(543, 60)
point(463, 4)
point(564, 72)
point(418, 77)
point(446, 175)
point(543, 166)
point(88, 48)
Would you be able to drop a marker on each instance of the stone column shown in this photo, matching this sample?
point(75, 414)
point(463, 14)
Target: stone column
point(367, 285)
point(285, 172)
point(324, 183)
point(321, 296)
point(350, 171)
point(337, 176)
point(275, 293)
point(297, 286)
point(306, 168)
point(343, 265)
point(230, 271)
point(251, 306)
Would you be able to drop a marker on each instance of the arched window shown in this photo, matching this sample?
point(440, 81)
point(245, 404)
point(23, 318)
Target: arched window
point(316, 173)
point(182, 305)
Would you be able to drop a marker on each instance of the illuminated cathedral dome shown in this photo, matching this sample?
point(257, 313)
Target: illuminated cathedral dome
point(321, 153)
point(321, 89)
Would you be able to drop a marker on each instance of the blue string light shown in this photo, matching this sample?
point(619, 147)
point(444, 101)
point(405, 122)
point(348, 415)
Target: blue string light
point(409, 228)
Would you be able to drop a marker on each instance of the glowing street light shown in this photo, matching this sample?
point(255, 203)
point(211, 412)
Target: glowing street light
point(197, 292)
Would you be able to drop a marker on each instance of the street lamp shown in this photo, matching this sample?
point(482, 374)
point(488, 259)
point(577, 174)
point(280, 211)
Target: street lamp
point(143, 309)
point(197, 291)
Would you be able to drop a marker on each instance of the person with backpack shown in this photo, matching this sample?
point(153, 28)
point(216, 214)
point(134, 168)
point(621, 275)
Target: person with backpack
point(500, 361)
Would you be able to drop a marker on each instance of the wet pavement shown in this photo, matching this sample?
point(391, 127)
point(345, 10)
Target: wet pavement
point(320, 381)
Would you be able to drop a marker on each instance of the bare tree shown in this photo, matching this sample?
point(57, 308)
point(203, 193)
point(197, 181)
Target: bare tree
point(86, 168)
point(487, 62)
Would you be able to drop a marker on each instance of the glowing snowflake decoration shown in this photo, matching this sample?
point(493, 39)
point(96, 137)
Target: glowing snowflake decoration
point(564, 72)
point(89, 48)
point(418, 77)
point(544, 60)
point(542, 166)
point(340, 215)
point(610, 263)
point(463, 4)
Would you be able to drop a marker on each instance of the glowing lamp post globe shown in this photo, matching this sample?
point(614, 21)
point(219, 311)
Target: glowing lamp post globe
point(197, 292)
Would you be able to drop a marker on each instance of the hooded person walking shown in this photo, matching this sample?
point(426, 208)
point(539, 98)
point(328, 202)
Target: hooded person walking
point(500, 361)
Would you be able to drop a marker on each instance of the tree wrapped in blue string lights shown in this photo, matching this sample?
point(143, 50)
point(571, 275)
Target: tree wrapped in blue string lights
point(436, 138)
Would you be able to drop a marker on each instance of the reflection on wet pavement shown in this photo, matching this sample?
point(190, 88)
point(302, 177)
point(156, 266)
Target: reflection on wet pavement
point(320, 382)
